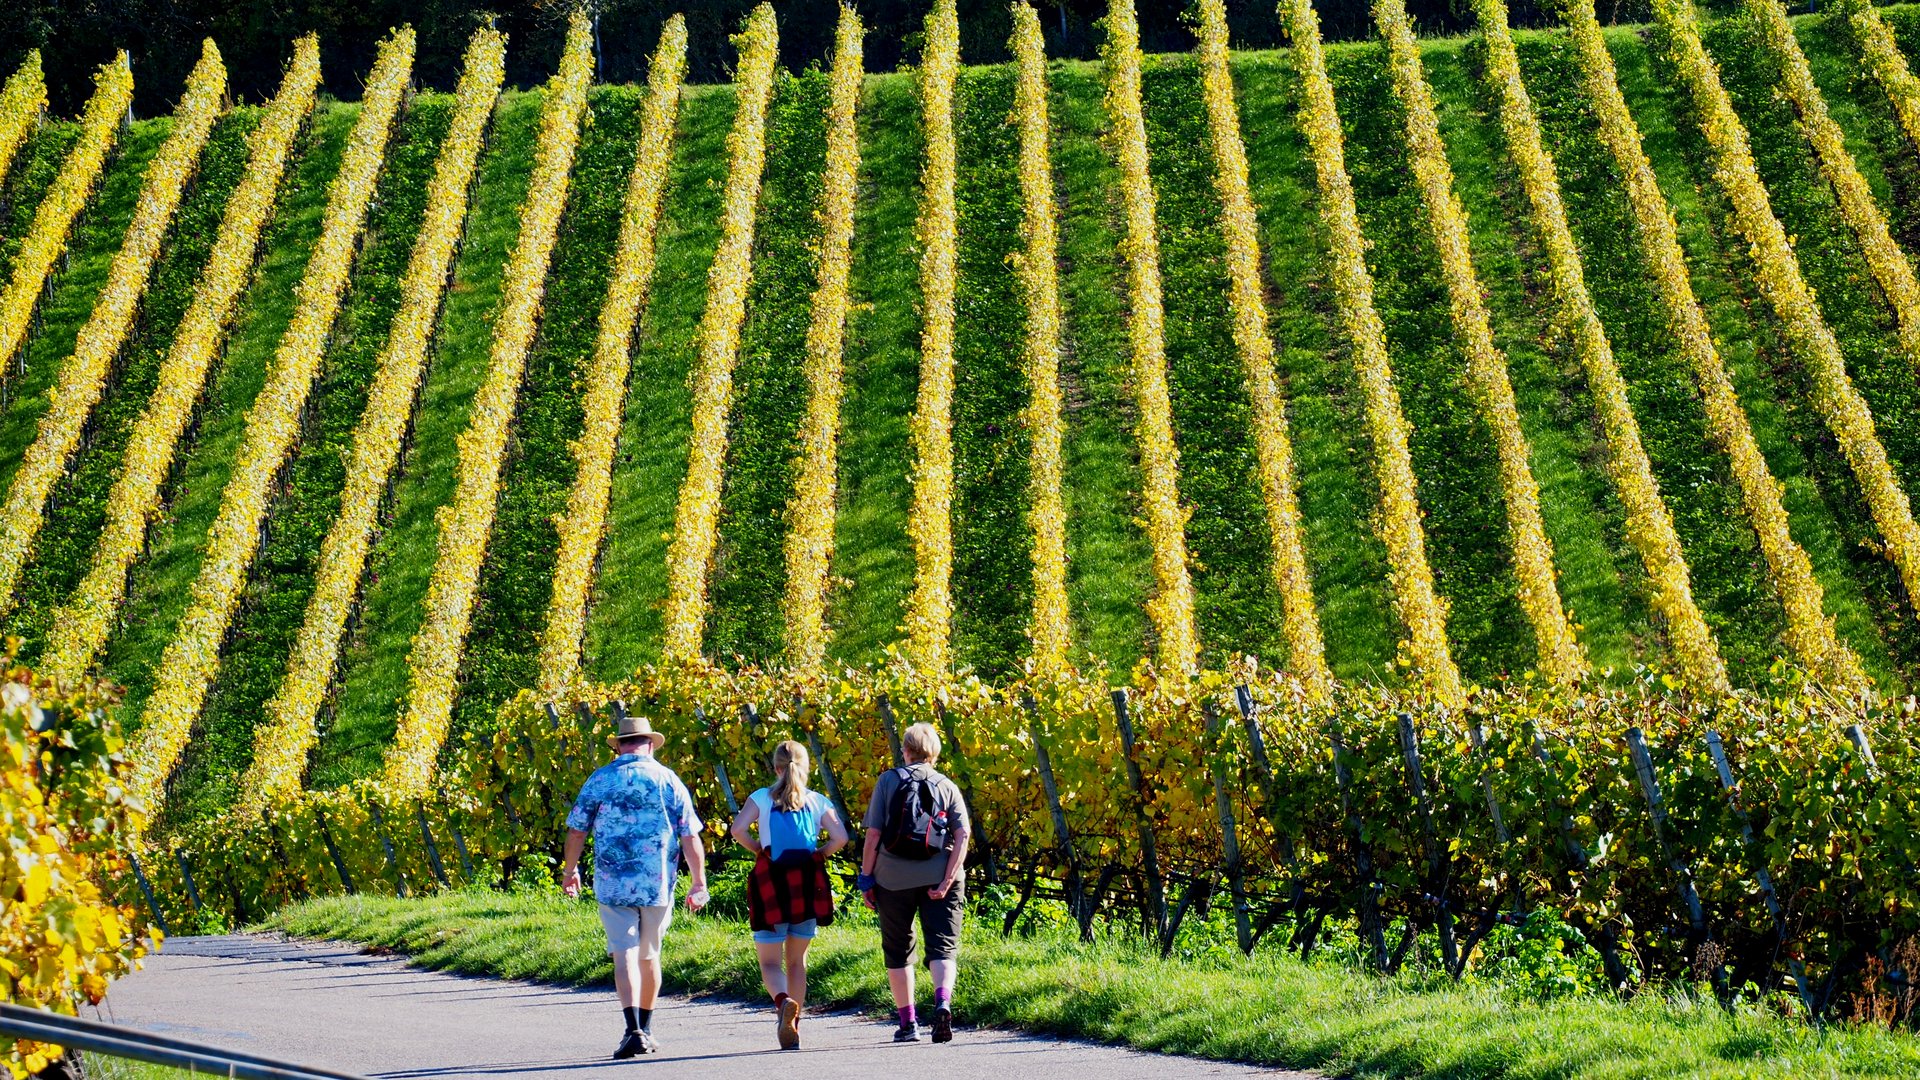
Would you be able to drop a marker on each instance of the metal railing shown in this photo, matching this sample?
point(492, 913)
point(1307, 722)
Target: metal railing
point(20, 1022)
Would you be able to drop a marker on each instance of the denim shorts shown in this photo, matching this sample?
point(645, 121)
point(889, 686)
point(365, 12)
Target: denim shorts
point(783, 931)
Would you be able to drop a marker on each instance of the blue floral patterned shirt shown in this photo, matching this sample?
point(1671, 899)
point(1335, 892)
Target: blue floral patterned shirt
point(637, 811)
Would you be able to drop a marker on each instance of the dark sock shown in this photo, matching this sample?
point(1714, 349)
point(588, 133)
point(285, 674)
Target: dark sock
point(907, 1016)
point(646, 1019)
point(633, 1019)
point(942, 997)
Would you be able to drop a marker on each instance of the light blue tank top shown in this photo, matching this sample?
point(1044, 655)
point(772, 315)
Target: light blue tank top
point(782, 830)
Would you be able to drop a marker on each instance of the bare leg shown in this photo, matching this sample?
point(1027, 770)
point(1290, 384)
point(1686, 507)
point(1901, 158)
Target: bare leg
point(771, 974)
point(796, 969)
point(626, 976)
point(943, 972)
point(649, 981)
point(900, 981)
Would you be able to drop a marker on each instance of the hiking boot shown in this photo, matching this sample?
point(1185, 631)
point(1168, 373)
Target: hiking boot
point(635, 1044)
point(907, 1033)
point(943, 1025)
point(789, 1024)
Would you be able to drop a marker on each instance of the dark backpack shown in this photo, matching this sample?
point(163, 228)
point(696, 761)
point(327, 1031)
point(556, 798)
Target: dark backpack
point(917, 825)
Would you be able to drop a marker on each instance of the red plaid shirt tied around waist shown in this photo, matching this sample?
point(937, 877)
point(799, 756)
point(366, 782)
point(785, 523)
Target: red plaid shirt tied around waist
point(790, 893)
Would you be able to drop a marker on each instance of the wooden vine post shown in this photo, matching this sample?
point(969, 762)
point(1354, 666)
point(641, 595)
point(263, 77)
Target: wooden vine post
point(1143, 825)
point(1682, 873)
point(1436, 885)
point(1229, 832)
point(1367, 907)
point(1074, 887)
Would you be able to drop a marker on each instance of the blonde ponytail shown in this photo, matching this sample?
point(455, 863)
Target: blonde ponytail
point(789, 791)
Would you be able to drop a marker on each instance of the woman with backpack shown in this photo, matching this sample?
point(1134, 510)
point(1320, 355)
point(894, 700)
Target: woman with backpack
point(914, 867)
point(788, 894)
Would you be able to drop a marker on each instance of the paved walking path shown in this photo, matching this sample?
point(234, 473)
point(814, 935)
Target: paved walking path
point(329, 1005)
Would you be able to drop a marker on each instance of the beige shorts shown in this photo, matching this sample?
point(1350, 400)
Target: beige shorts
point(640, 928)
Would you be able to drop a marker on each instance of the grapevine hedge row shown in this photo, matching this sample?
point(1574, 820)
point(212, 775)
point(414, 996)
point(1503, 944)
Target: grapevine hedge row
point(1170, 607)
point(810, 513)
point(745, 616)
point(696, 519)
point(929, 616)
point(21, 102)
point(80, 627)
point(53, 218)
point(1421, 611)
point(467, 521)
point(583, 527)
point(84, 375)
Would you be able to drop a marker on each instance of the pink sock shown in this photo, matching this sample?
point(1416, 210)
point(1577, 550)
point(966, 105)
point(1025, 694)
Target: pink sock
point(943, 997)
point(907, 1015)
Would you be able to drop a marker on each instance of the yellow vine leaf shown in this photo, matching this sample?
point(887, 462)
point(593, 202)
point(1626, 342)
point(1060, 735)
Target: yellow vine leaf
point(21, 102)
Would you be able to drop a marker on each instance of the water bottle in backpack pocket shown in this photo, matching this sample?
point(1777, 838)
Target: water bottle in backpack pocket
point(918, 827)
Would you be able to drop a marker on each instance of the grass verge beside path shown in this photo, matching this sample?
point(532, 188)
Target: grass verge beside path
point(1268, 1009)
point(358, 730)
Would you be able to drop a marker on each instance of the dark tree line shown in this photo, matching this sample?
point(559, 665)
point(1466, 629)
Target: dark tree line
point(163, 36)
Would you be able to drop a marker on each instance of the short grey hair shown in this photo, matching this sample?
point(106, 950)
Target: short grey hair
point(921, 743)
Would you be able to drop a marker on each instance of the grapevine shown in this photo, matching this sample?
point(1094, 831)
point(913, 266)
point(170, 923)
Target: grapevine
point(809, 542)
point(83, 378)
point(80, 626)
point(1421, 610)
point(465, 523)
point(696, 518)
point(21, 103)
point(1171, 607)
point(53, 220)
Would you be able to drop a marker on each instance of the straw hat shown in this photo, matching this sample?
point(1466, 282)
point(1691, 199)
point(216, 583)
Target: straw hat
point(634, 727)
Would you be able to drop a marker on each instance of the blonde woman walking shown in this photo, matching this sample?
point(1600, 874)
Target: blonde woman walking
point(788, 894)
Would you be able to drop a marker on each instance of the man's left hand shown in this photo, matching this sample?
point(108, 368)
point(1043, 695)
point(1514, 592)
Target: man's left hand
point(570, 882)
point(940, 891)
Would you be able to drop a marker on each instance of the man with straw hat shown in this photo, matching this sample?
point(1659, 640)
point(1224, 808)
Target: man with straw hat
point(636, 808)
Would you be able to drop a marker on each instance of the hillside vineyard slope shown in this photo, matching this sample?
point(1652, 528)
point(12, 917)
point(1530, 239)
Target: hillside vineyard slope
point(83, 377)
point(192, 657)
point(1649, 524)
point(287, 733)
point(434, 659)
point(81, 625)
point(1809, 635)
